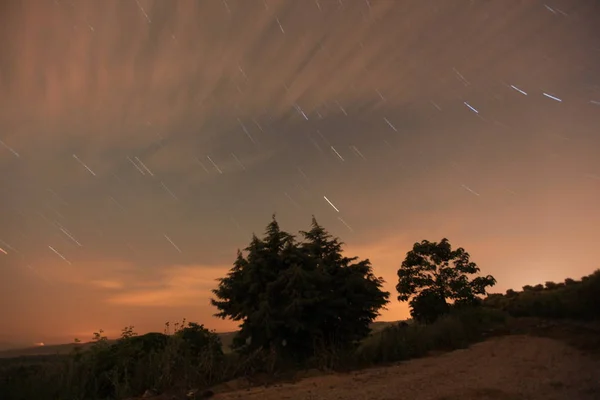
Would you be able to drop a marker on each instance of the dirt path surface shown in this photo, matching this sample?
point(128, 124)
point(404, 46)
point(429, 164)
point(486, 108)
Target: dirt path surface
point(502, 368)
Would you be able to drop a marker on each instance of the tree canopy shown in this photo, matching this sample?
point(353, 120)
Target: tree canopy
point(294, 296)
point(432, 275)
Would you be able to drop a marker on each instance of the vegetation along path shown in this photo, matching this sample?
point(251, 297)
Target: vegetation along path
point(501, 368)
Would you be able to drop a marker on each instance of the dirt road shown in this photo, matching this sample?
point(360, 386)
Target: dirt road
point(502, 368)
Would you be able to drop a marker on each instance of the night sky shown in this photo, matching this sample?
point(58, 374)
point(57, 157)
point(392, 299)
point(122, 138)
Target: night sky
point(143, 142)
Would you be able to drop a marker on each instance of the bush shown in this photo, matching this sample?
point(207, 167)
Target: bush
point(190, 358)
point(573, 300)
point(456, 329)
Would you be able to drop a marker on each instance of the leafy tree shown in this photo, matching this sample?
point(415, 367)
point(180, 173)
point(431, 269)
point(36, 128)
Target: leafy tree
point(292, 297)
point(433, 274)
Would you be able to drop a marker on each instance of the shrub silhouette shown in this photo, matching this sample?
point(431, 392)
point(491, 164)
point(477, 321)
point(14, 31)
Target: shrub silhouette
point(573, 300)
point(199, 341)
point(135, 363)
point(403, 341)
point(551, 285)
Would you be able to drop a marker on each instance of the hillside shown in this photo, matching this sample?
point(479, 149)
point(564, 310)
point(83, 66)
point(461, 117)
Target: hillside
point(43, 350)
point(226, 339)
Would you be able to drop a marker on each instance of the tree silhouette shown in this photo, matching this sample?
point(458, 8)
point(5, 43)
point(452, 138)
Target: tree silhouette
point(293, 297)
point(433, 274)
point(351, 295)
point(252, 290)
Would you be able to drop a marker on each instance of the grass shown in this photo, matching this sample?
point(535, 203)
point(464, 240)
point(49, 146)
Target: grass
point(453, 331)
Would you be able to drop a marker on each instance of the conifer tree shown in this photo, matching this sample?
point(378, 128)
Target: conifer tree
point(292, 296)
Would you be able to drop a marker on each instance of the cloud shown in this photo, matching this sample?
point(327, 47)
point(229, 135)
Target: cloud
point(105, 70)
point(111, 285)
point(108, 273)
point(175, 286)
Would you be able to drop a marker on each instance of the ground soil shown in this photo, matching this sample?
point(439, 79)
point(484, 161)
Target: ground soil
point(501, 368)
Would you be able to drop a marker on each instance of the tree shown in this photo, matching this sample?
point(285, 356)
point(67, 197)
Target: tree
point(433, 274)
point(251, 291)
point(293, 297)
point(351, 295)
